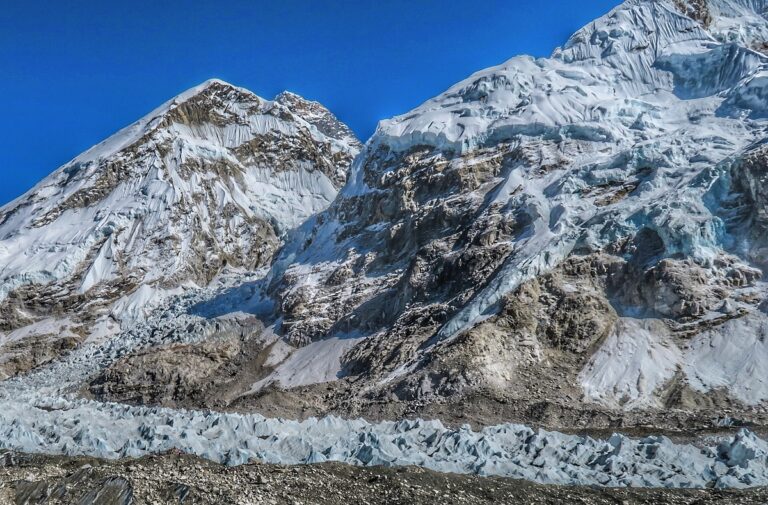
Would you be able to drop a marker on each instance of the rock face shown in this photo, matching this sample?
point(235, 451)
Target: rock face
point(207, 182)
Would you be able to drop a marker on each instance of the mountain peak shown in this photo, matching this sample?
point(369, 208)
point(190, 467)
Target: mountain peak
point(289, 96)
point(222, 90)
point(214, 84)
point(210, 179)
point(641, 48)
point(319, 116)
point(215, 80)
point(471, 202)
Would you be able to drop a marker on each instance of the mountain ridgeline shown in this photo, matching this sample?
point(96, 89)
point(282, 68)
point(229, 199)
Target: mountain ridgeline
point(572, 241)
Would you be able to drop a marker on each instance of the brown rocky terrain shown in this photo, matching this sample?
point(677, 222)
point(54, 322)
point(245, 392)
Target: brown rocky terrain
point(183, 480)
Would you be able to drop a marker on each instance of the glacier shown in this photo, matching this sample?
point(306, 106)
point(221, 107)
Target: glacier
point(113, 431)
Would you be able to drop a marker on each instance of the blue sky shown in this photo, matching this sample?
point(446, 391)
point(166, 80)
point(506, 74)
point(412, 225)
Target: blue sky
point(75, 72)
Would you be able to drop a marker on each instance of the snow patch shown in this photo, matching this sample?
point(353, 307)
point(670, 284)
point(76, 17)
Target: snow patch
point(731, 356)
point(315, 363)
point(637, 358)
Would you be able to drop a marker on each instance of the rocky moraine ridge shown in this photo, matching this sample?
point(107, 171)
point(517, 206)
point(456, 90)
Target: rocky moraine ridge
point(578, 243)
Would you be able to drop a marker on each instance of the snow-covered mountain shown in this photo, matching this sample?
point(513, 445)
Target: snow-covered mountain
point(578, 241)
point(581, 230)
point(209, 181)
point(573, 240)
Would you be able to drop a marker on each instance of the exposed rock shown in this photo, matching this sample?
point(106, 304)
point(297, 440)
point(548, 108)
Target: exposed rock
point(21, 356)
point(696, 9)
point(226, 360)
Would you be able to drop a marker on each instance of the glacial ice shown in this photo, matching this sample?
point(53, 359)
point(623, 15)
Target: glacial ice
point(105, 430)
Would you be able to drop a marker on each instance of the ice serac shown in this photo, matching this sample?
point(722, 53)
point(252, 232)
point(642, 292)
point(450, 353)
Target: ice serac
point(209, 181)
point(621, 173)
point(513, 451)
point(738, 21)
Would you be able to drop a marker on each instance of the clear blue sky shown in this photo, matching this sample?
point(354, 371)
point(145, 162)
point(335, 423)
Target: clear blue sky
point(74, 72)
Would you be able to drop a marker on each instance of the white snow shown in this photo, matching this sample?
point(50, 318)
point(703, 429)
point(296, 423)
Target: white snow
point(137, 305)
point(59, 328)
point(740, 22)
point(102, 269)
point(315, 363)
point(733, 356)
point(638, 357)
